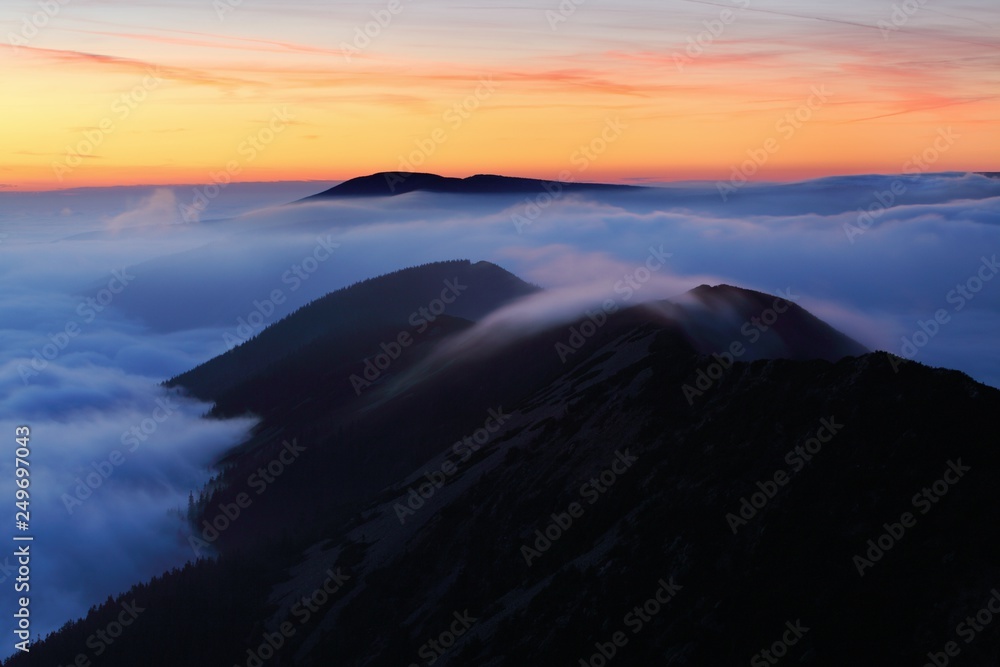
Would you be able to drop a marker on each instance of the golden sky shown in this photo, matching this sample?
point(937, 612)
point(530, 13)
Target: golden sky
point(113, 93)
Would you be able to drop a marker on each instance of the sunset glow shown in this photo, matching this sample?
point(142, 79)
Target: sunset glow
point(117, 93)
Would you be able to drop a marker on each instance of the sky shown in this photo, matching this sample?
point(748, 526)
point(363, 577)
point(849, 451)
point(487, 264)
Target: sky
point(105, 92)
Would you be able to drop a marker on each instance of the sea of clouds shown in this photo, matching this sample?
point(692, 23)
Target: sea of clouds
point(104, 294)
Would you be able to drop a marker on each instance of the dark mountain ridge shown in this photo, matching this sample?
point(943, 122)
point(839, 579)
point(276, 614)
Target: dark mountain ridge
point(351, 316)
point(544, 501)
point(391, 183)
point(332, 384)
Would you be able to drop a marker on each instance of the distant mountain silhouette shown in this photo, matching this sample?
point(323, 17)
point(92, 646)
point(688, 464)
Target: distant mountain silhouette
point(387, 184)
point(536, 504)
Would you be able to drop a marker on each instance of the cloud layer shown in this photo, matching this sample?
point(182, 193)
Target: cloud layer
point(104, 294)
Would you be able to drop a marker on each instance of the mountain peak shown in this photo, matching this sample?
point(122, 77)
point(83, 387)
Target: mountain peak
point(766, 325)
point(392, 183)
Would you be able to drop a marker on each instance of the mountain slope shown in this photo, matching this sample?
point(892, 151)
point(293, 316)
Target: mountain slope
point(671, 517)
point(355, 315)
point(438, 391)
point(516, 506)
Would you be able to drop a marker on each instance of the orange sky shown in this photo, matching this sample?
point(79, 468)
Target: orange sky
point(118, 93)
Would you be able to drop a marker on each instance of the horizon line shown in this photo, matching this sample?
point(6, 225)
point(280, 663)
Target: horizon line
point(638, 181)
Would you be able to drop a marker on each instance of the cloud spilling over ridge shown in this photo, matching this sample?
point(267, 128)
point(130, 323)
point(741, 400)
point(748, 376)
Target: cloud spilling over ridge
point(575, 289)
